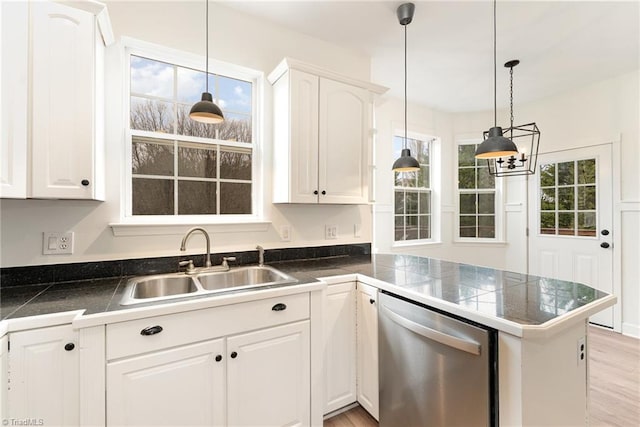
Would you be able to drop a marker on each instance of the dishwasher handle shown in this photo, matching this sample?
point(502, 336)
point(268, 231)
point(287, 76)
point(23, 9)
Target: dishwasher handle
point(446, 339)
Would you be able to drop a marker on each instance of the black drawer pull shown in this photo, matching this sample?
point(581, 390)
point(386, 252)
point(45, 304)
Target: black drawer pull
point(151, 330)
point(372, 301)
point(69, 346)
point(279, 307)
point(85, 182)
point(218, 358)
point(234, 354)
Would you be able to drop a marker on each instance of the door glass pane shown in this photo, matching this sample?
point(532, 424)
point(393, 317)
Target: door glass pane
point(587, 197)
point(565, 199)
point(566, 224)
point(565, 173)
point(587, 171)
point(548, 175)
point(548, 199)
point(548, 223)
point(587, 224)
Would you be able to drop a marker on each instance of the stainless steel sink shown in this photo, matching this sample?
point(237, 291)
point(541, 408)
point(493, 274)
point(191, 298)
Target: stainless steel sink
point(147, 289)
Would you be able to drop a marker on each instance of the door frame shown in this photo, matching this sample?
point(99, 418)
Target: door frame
point(613, 143)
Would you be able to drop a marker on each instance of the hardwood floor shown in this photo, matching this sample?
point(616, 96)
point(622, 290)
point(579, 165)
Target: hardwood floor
point(614, 394)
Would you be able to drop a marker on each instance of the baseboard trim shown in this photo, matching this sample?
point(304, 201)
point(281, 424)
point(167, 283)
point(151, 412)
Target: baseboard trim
point(341, 410)
point(631, 330)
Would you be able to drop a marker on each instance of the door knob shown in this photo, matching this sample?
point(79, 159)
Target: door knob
point(605, 232)
point(604, 245)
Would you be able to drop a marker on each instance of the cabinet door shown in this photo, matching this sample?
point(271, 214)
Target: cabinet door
point(368, 348)
point(268, 377)
point(344, 132)
point(340, 346)
point(304, 137)
point(14, 20)
point(183, 386)
point(63, 101)
point(44, 376)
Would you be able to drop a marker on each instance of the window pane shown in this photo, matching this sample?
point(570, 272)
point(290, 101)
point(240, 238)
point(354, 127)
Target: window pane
point(424, 227)
point(152, 196)
point(566, 224)
point(466, 155)
point(485, 179)
point(191, 84)
point(423, 177)
point(548, 199)
point(411, 227)
point(399, 228)
point(468, 204)
point(587, 224)
point(467, 178)
point(547, 175)
point(566, 173)
point(486, 227)
point(196, 197)
point(236, 127)
point(196, 160)
point(151, 157)
point(189, 127)
point(151, 77)
point(425, 203)
point(587, 171)
point(565, 199)
point(486, 203)
point(422, 152)
point(235, 163)
point(467, 226)
point(411, 200)
point(399, 202)
point(235, 95)
point(235, 198)
point(587, 197)
point(547, 223)
point(151, 115)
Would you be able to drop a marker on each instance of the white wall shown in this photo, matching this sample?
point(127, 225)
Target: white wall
point(236, 38)
point(599, 113)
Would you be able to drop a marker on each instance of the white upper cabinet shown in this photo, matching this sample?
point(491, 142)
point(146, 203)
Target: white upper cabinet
point(56, 137)
point(322, 135)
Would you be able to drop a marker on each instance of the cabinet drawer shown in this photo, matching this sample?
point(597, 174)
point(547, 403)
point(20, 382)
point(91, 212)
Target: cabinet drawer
point(127, 338)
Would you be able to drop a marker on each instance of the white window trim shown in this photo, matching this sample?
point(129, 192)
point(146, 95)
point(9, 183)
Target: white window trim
point(177, 224)
point(499, 204)
point(435, 188)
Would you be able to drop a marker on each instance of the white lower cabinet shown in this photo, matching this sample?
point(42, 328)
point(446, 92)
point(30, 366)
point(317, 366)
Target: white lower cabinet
point(367, 344)
point(44, 376)
point(340, 346)
point(183, 386)
point(268, 377)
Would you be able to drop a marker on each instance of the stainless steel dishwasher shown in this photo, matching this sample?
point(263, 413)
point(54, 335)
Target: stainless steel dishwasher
point(434, 370)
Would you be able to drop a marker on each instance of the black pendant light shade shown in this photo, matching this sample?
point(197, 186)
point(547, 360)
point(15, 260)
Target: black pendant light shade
point(205, 111)
point(496, 145)
point(405, 163)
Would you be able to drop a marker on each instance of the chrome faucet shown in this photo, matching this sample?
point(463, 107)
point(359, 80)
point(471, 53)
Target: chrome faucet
point(206, 236)
point(260, 256)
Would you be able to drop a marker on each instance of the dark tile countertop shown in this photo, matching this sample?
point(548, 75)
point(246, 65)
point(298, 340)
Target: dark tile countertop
point(513, 297)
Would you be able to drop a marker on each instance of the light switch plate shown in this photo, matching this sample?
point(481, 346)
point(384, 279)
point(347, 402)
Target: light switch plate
point(330, 232)
point(56, 243)
point(285, 233)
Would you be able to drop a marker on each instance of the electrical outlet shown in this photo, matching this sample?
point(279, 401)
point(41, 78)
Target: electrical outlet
point(55, 243)
point(330, 232)
point(285, 233)
point(582, 351)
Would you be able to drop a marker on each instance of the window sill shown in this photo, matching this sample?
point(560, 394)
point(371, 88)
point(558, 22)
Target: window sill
point(413, 244)
point(173, 228)
point(478, 242)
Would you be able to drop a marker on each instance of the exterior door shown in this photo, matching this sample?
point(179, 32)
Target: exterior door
point(571, 220)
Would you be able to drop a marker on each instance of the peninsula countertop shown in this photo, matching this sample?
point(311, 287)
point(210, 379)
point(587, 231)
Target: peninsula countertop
point(519, 304)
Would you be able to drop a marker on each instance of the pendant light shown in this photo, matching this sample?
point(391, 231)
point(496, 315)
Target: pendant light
point(525, 162)
point(205, 111)
point(495, 145)
point(405, 163)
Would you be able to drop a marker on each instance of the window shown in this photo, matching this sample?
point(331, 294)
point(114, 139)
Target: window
point(477, 196)
point(179, 166)
point(568, 198)
point(413, 193)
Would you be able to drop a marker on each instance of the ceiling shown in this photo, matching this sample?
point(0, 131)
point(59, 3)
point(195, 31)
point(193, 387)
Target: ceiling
point(562, 45)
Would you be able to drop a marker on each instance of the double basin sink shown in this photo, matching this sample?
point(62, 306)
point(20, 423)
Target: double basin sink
point(161, 287)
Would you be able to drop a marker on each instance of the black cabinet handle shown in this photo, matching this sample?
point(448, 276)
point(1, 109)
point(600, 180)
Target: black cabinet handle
point(324, 192)
point(151, 330)
point(315, 192)
point(218, 358)
point(372, 301)
point(234, 354)
point(85, 182)
point(69, 346)
point(279, 307)
point(604, 245)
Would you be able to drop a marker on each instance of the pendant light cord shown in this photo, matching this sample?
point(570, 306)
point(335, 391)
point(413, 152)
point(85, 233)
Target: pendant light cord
point(511, 98)
point(495, 71)
point(206, 76)
point(405, 86)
